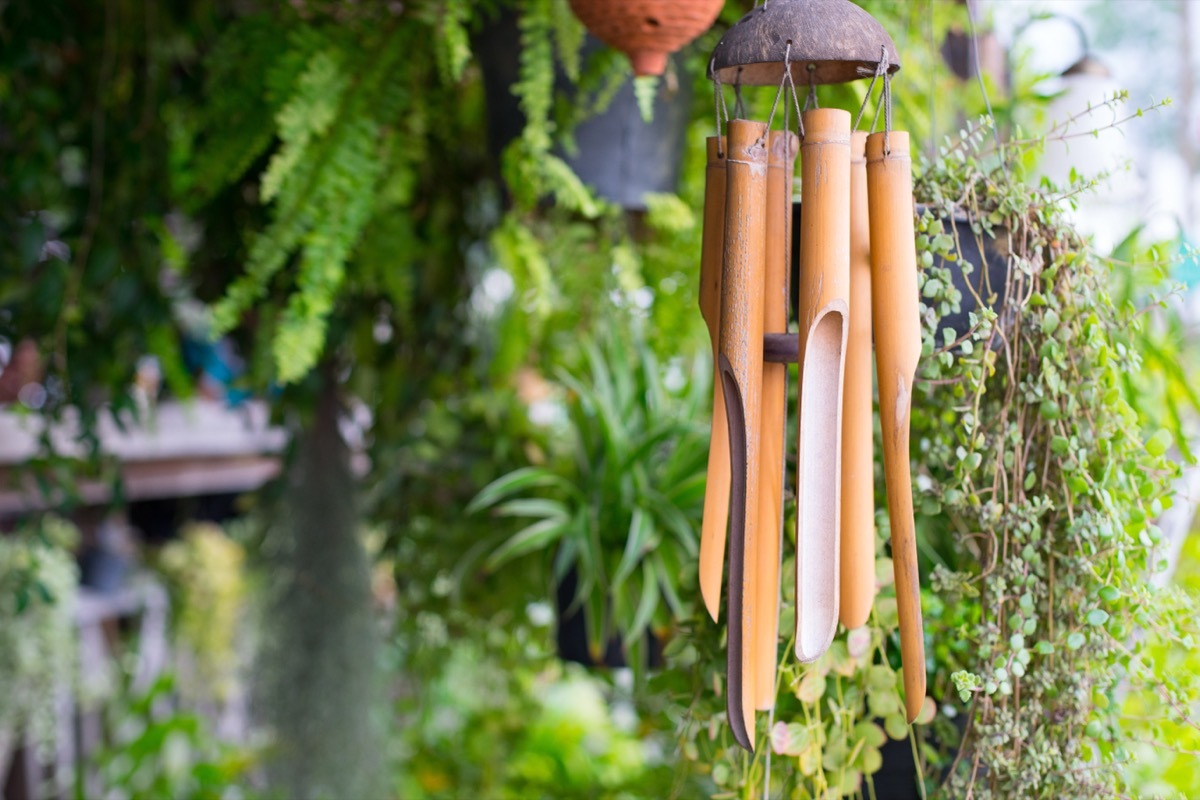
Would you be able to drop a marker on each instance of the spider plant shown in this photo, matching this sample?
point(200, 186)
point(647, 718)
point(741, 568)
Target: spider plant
point(621, 504)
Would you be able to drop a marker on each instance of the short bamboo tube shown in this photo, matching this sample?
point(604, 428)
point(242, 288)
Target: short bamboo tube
point(740, 359)
point(896, 317)
point(824, 306)
point(858, 456)
point(781, 162)
point(716, 491)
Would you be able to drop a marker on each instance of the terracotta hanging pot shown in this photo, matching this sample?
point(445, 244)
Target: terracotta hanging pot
point(647, 30)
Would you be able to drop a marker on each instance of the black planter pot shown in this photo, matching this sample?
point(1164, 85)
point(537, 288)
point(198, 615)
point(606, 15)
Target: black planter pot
point(989, 276)
point(897, 778)
point(571, 635)
point(618, 154)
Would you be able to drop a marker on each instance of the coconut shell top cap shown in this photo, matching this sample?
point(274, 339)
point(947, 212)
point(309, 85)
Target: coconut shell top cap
point(832, 38)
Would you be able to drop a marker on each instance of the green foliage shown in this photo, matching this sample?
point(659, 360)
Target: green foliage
point(88, 190)
point(497, 716)
point(154, 754)
point(621, 502)
point(1164, 393)
point(333, 103)
point(1158, 719)
point(208, 583)
point(38, 585)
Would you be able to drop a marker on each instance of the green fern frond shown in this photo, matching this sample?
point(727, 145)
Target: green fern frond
point(308, 114)
point(535, 86)
point(569, 35)
point(453, 42)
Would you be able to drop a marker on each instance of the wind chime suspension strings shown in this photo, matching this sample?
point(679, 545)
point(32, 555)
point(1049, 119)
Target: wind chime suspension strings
point(795, 101)
point(887, 115)
point(812, 89)
point(720, 108)
point(787, 60)
point(880, 70)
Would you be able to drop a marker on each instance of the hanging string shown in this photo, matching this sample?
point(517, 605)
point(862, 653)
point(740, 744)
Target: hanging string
point(983, 86)
point(795, 100)
point(787, 60)
point(880, 70)
point(718, 103)
point(739, 103)
point(887, 116)
point(812, 88)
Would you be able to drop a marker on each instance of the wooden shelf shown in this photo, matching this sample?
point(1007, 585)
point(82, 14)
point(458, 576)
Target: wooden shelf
point(184, 450)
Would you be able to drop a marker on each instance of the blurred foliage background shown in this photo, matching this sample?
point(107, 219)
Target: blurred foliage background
point(385, 224)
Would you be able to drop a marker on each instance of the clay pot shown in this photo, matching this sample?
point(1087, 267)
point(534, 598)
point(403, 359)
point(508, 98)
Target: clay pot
point(647, 30)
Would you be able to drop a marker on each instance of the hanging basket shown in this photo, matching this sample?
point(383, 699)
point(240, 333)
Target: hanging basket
point(647, 30)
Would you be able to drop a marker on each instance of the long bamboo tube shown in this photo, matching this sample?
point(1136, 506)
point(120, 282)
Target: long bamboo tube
point(824, 306)
point(741, 363)
point(716, 491)
point(858, 456)
point(896, 316)
point(784, 147)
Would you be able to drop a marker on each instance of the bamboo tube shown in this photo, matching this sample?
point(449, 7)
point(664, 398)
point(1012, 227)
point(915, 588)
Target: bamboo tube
point(740, 359)
point(716, 491)
point(824, 306)
point(858, 456)
point(781, 161)
point(896, 318)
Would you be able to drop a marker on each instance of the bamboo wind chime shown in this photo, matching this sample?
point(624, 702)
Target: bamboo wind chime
point(857, 275)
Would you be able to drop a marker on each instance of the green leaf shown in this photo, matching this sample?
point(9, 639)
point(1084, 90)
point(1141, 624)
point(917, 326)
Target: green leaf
point(1097, 616)
point(1159, 442)
point(881, 678)
point(811, 688)
point(896, 726)
point(1076, 640)
point(527, 540)
point(513, 482)
point(533, 507)
point(1044, 647)
point(647, 604)
point(790, 739)
point(638, 541)
point(871, 733)
point(645, 89)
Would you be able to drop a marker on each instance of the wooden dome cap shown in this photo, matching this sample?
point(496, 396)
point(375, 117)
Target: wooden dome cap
point(830, 40)
point(647, 30)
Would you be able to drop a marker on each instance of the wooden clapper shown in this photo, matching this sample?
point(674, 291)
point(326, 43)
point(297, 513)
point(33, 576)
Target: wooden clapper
point(857, 274)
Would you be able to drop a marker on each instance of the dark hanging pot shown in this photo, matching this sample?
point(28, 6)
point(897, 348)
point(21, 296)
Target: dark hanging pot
point(618, 154)
point(988, 278)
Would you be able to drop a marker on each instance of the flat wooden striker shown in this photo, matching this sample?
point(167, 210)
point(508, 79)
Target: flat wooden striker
point(784, 147)
point(858, 452)
point(896, 318)
point(716, 492)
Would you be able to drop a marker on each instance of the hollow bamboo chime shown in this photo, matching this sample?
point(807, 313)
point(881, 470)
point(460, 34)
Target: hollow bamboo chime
point(857, 274)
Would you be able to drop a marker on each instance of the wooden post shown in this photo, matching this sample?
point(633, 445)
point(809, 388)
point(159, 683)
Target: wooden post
point(716, 489)
point(784, 146)
point(858, 456)
point(741, 362)
point(824, 306)
point(896, 316)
